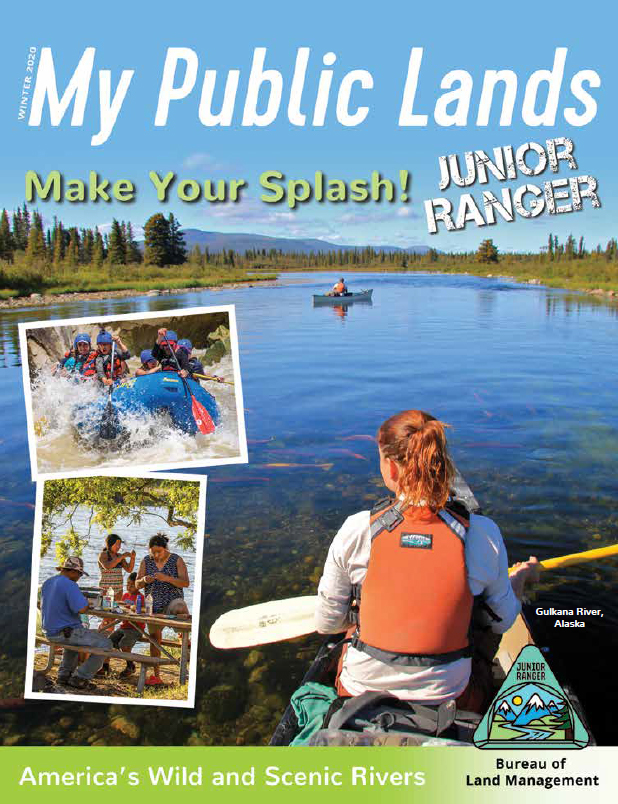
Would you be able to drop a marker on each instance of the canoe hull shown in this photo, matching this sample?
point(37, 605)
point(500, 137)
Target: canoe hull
point(364, 296)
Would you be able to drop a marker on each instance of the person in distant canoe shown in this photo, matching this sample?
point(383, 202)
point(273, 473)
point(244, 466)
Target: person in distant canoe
point(168, 353)
point(163, 575)
point(414, 567)
point(340, 288)
point(149, 364)
point(74, 360)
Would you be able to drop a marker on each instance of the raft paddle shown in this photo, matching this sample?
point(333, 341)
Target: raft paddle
point(202, 417)
point(209, 377)
point(279, 620)
point(110, 424)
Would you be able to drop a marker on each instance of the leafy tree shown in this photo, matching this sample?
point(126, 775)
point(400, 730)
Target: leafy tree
point(111, 499)
point(487, 252)
point(157, 240)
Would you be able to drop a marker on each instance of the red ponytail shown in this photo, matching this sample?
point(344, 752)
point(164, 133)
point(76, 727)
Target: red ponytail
point(416, 441)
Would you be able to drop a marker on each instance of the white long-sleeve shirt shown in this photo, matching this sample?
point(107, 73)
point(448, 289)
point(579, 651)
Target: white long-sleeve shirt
point(346, 566)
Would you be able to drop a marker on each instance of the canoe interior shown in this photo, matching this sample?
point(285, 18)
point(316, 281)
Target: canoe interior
point(323, 668)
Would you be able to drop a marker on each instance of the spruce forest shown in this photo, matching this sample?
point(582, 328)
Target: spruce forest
point(61, 259)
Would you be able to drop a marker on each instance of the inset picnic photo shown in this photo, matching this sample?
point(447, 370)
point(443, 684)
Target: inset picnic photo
point(114, 607)
point(146, 391)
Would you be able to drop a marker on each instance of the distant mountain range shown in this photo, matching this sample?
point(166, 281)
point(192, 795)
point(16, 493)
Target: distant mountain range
point(241, 241)
point(535, 709)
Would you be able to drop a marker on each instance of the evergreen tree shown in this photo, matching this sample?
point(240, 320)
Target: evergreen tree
point(157, 240)
point(58, 242)
point(569, 248)
point(35, 248)
point(487, 252)
point(72, 253)
point(550, 247)
point(98, 250)
point(177, 246)
point(88, 246)
point(116, 250)
point(6, 238)
point(132, 249)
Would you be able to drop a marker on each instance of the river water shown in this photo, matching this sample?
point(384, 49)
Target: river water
point(523, 374)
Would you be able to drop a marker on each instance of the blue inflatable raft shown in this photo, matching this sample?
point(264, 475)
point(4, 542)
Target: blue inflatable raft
point(161, 393)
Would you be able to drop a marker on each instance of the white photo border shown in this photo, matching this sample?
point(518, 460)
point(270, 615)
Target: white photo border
point(195, 614)
point(243, 455)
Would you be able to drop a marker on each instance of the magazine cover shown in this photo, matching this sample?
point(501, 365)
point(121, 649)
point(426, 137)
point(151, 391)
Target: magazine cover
point(310, 426)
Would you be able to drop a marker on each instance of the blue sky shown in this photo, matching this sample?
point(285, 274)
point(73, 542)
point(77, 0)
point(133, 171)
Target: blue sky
point(370, 36)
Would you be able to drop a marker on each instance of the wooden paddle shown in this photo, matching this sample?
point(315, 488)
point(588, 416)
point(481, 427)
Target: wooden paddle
point(208, 377)
point(202, 417)
point(279, 620)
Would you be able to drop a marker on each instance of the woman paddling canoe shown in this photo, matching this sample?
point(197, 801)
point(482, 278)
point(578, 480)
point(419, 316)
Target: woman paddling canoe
point(417, 571)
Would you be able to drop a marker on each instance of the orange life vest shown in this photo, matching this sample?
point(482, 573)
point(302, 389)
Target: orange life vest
point(339, 287)
point(415, 605)
point(90, 369)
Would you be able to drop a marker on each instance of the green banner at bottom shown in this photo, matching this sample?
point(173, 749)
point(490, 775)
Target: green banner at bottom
point(436, 774)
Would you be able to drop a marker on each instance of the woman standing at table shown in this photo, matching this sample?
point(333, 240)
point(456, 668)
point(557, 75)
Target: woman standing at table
point(163, 575)
point(112, 564)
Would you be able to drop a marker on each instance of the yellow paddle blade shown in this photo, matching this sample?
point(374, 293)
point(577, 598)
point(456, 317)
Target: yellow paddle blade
point(580, 558)
point(40, 426)
point(214, 379)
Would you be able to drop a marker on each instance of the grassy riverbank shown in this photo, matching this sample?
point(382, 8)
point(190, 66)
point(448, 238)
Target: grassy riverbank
point(592, 273)
point(19, 279)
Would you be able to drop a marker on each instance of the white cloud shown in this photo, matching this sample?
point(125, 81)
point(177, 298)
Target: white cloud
point(205, 161)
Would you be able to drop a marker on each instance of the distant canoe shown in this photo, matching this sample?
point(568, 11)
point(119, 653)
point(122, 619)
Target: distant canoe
point(363, 295)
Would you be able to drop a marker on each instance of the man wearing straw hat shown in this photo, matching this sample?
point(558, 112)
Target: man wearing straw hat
point(61, 604)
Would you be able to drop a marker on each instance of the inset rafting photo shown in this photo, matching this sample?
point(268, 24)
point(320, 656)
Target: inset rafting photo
point(145, 391)
point(116, 583)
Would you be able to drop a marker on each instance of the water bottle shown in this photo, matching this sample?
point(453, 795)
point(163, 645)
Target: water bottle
point(105, 603)
point(138, 604)
point(149, 604)
point(111, 596)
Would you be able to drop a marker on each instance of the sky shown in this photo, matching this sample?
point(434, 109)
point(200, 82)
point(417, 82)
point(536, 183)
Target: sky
point(364, 36)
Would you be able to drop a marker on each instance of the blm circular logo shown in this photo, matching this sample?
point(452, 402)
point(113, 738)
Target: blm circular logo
point(531, 710)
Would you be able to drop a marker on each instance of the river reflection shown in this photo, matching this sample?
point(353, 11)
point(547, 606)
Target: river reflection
point(523, 374)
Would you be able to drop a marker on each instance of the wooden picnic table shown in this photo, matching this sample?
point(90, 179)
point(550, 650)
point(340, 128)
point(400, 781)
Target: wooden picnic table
point(161, 621)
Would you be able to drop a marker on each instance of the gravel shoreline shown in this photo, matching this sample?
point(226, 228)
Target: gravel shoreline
point(39, 300)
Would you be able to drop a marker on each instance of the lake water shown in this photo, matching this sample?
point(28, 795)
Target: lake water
point(525, 376)
point(134, 536)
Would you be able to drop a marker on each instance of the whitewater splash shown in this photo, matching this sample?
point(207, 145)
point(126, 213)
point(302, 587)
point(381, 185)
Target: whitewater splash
point(57, 402)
